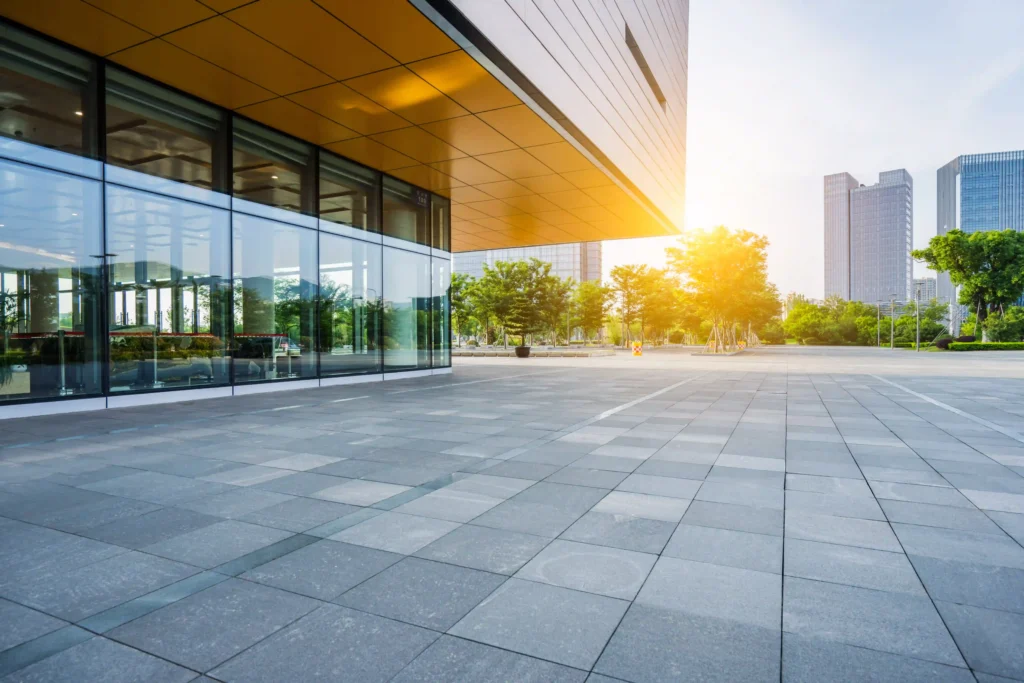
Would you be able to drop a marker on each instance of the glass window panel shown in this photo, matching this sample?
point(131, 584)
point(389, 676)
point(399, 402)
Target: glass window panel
point(275, 276)
point(349, 193)
point(154, 130)
point(272, 169)
point(441, 338)
point(440, 223)
point(50, 289)
point(406, 212)
point(169, 292)
point(44, 94)
point(406, 310)
point(350, 306)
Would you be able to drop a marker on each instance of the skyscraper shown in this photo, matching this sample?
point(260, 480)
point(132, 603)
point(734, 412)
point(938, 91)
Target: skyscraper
point(837, 233)
point(579, 260)
point(869, 236)
point(924, 288)
point(978, 192)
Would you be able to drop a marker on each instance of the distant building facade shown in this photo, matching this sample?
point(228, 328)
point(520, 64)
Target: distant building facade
point(579, 260)
point(925, 288)
point(869, 237)
point(978, 192)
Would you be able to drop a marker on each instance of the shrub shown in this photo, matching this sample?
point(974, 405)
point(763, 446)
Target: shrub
point(967, 338)
point(676, 337)
point(472, 342)
point(814, 341)
point(943, 343)
point(986, 346)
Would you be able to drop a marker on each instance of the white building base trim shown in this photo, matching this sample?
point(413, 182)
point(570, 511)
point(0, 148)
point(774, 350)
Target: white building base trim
point(356, 379)
point(52, 408)
point(129, 400)
point(246, 390)
point(406, 375)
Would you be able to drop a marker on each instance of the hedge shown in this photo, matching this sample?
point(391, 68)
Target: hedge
point(986, 346)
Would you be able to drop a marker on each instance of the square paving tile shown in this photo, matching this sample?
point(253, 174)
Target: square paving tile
point(590, 568)
point(989, 639)
point(620, 531)
point(301, 462)
point(862, 533)
point(736, 517)
point(222, 621)
point(232, 504)
point(493, 550)
point(902, 624)
point(961, 546)
point(669, 487)
point(247, 476)
point(299, 514)
point(552, 623)
point(20, 624)
point(358, 492)
point(396, 532)
point(531, 518)
point(422, 592)
point(655, 645)
point(585, 476)
point(323, 570)
point(726, 547)
point(710, 590)
point(99, 659)
point(852, 566)
point(455, 659)
point(809, 660)
point(218, 543)
point(643, 505)
point(741, 494)
point(455, 506)
point(493, 487)
point(332, 643)
point(152, 527)
point(978, 585)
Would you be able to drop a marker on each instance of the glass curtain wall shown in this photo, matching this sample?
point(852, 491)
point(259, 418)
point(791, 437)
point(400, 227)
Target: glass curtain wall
point(168, 291)
point(50, 284)
point(406, 310)
point(275, 284)
point(131, 285)
point(349, 305)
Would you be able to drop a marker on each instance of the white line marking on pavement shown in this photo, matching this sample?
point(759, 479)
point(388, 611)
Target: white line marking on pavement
point(627, 406)
point(342, 400)
point(1016, 436)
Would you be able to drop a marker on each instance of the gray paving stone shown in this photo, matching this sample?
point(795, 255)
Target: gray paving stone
point(299, 514)
point(840, 485)
point(522, 470)
point(620, 531)
point(501, 488)
point(643, 505)
point(454, 506)
point(915, 493)
point(100, 659)
point(710, 590)
point(557, 624)
point(300, 483)
point(81, 592)
point(396, 532)
point(901, 624)
point(83, 517)
point(421, 592)
point(979, 585)
point(530, 518)
point(218, 543)
point(613, 572)
point(336, 643)
point(740, 549)
point(608, 463)
point(942, 516)
point(737, 517)
point(455, 659)
point(741, 494)
point(150, 528)
point(852, 566)
point(234, 504)
point(856, 507)
point(680, 470)
point(493, 550)
point(657, 645)
point(841, 531)
point(154, 487)
point(810, 660)
point(583, 476)
point(322, 570)
point(214, 625)
point(989, 639)
point(961, 546)
point(660, 486)
point(19, 624)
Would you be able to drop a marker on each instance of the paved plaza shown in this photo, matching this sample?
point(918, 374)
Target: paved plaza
point(788, 514)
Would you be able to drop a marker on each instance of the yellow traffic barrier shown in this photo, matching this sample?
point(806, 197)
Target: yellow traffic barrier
point(638, 349)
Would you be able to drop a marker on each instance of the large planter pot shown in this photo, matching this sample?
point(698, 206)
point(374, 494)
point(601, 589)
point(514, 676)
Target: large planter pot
point(522, 352)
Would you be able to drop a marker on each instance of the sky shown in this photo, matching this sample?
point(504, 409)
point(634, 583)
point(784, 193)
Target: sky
point(784, 92)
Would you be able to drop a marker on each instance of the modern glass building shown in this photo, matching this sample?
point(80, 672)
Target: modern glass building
point(869, 237)
point(580, 261)
point(978, 192)
point(201, 199)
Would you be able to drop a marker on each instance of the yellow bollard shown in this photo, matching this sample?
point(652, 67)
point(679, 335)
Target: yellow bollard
point(638, 349)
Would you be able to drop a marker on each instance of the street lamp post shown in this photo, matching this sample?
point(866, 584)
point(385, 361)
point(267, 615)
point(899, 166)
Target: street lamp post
point(892, 323)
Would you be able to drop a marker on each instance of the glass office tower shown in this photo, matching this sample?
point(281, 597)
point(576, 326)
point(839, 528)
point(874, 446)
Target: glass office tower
point(151, 242)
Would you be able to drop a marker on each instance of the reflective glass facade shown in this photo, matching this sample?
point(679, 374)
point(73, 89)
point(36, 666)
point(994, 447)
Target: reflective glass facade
point(580, 261)
point(188, 248)
point(992, 192)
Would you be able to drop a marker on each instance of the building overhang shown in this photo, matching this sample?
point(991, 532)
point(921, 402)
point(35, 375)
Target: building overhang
point(381, 83)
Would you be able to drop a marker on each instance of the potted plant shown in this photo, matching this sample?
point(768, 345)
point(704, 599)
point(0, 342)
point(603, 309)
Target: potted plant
point(523, 320)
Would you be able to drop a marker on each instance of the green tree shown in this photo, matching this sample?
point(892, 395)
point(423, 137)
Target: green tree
point(1007, 326)
point(459, 294)
point(591, 302)
point(554, 297)
point(627, 283)
point(987, 266)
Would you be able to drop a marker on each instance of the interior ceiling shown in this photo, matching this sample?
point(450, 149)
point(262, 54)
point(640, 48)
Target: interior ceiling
point(375, 81)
